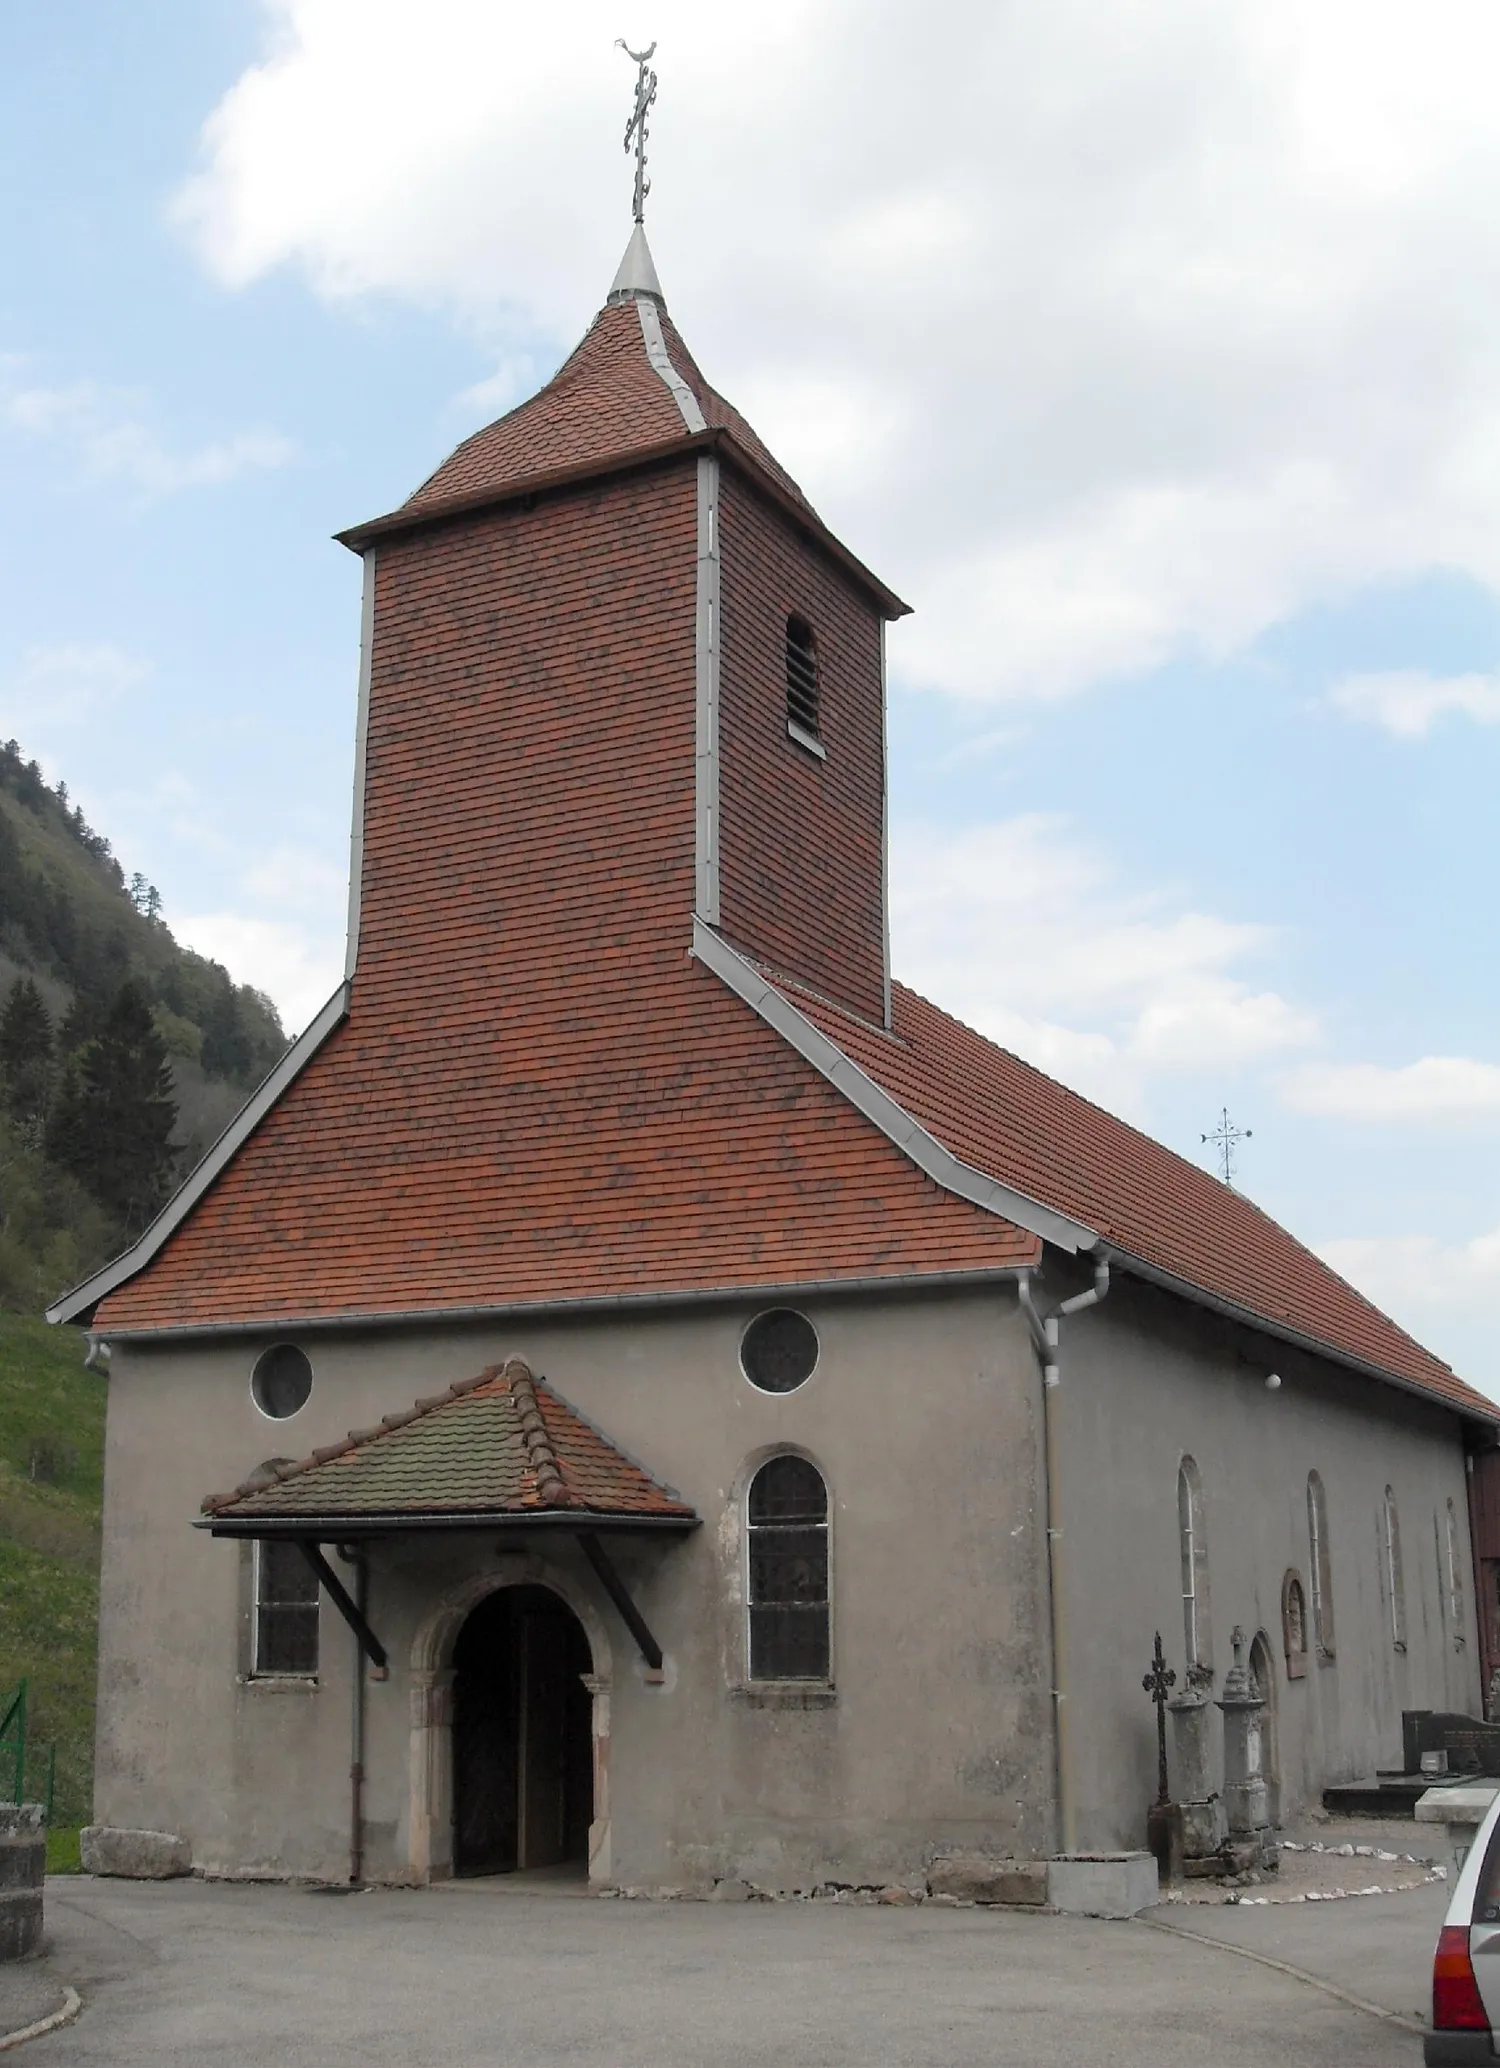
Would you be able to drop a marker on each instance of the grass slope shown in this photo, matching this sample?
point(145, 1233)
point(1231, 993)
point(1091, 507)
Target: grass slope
point(49, 1551)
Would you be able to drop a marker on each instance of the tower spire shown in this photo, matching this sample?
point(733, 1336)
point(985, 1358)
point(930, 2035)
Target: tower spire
point(637, 274)
point(635, 128)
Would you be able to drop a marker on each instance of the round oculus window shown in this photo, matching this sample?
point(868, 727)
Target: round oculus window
point(779, 1350)
point(281, 1381)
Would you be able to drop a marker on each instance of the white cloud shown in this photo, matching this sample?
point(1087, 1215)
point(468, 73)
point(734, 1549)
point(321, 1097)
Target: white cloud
point(109, 438)
point(1024, 933)
point(55, 689)
point(1106, 334)
point(282, 931)
point(1437, 1088)
point(1444, 1293)
point(295, 963)
point(1408, 703)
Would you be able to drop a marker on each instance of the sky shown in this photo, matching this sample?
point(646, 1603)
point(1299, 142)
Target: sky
point(1151, 351)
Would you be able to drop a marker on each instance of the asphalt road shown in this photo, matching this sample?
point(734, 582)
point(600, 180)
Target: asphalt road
point(187, 1972)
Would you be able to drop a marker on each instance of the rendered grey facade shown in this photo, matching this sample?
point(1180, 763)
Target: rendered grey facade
point(924, 1417)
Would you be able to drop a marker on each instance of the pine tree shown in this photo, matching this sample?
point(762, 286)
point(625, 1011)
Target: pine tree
point(227, 1051)
point(112, 1120)
point(26, 1052)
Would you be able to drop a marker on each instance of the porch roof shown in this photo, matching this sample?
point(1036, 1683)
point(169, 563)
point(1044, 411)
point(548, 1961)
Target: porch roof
point(499, 1447)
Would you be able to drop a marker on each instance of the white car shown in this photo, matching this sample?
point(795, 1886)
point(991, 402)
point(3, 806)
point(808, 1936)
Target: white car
point(1466, 1965)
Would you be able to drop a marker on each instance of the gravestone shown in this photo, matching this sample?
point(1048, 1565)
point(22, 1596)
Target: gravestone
point(1202, 1810)
point(1472, 1746)
point(1246, 1801)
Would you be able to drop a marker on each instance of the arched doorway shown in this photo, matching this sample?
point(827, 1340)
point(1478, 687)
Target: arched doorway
point(523, 1753)
point(1263, 1673)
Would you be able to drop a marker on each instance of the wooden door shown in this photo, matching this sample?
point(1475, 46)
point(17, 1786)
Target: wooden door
point(544, 1717)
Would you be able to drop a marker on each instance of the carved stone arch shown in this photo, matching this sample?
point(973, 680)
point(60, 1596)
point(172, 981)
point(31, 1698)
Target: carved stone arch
point(431, 1812)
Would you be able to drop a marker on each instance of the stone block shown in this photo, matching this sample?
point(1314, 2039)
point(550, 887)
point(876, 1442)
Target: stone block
point(23, 1845)
point(1202, 1828)
point(20, 1923)
point(1102, 1884)
point(134, 1855)
point(981, 1878)
point(731, 1892)
point(23, 1867)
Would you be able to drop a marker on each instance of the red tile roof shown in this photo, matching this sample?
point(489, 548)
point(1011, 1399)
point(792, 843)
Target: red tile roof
point(1005, 1118)
point(604, 403)
point(500, 1444)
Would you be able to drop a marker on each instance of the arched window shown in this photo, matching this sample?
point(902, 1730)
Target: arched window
point(1197, 1631)
point(1454, 1577)
point(1293, 1624)
point(1395, 1584)
point(787, 1527)
point(1320, 1568)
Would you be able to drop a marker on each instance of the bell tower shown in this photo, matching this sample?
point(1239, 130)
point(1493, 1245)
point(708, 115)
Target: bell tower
point(618, 673)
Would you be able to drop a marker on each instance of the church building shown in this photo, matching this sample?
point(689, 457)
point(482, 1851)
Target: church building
point(637, 1386)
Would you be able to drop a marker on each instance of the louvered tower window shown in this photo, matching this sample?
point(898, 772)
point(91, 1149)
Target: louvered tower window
point(801, 677)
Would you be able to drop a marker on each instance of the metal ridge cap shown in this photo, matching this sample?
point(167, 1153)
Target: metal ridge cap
point(357, 536)
point(877, 1105)
point(1284, 1332)
point(282, 1073)
point(581, 1306)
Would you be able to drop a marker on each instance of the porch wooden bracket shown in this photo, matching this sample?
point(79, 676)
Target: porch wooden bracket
point(369, 1643)
point(609, 1579)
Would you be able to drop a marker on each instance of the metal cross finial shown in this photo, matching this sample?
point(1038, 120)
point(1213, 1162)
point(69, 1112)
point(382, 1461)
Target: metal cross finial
point(635, 128)
point(1226, 1138)
point(1159, 1683)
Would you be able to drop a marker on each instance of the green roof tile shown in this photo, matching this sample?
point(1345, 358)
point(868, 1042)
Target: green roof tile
point(499, 1444)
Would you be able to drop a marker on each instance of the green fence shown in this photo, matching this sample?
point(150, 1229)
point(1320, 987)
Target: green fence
point(13, 1753)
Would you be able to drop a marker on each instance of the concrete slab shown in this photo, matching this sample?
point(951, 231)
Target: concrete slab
point(176, 1973)
point(1377, 1948)
point(1102, 1884)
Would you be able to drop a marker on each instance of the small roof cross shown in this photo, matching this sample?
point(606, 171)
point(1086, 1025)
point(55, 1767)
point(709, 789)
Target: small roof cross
point(1159, 1683)
point(635, 128)
point(1226, 1138)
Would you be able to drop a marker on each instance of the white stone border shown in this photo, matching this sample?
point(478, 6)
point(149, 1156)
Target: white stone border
point(72, 2004)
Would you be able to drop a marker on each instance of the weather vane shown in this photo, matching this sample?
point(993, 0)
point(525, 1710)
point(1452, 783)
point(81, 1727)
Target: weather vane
point(1226, 1138)
point(635, 128)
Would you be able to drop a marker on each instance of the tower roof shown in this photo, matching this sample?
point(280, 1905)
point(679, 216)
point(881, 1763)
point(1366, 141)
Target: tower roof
point(629, 393)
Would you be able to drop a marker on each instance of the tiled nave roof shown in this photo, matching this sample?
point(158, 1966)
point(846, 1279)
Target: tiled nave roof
point(1009, 1120)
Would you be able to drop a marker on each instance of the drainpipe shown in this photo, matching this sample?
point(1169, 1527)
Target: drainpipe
point(97, 1358)
point(357, 1729)
point(1045, 1334)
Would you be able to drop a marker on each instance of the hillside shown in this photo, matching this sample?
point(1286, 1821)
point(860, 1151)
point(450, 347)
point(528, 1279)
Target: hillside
point(51, 1476)
point(122, 1054)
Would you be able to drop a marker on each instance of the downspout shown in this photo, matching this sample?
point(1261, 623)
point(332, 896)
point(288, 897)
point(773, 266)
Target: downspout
point(357, 1729)
point(1045, 1334)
